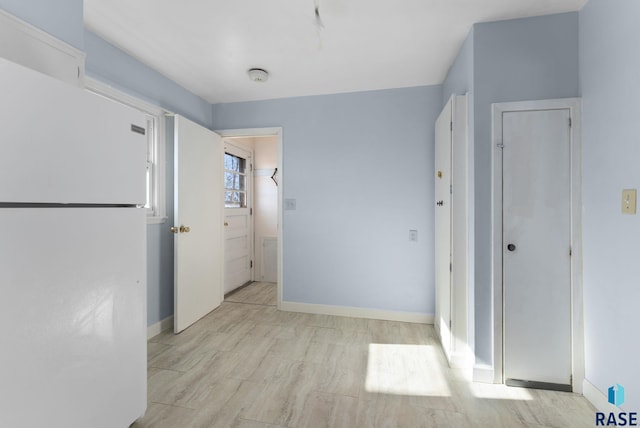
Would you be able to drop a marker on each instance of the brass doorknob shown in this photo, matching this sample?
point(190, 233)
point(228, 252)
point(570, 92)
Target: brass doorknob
point(226, 224)
point(174, 229)
point(185, 229)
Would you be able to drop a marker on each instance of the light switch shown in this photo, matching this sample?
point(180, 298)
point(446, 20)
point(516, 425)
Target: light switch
point(629, 201)
point(413, 235)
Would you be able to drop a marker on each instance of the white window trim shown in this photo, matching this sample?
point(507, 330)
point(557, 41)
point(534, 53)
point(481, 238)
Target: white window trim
point(159, 215)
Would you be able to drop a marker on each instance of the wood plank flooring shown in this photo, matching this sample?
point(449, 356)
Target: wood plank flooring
point(248, 365)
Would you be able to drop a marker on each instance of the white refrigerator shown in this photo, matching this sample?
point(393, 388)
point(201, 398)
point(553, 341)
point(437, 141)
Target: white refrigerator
point(72, 256)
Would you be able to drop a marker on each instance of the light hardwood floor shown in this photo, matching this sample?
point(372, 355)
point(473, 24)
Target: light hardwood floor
point(249, 365)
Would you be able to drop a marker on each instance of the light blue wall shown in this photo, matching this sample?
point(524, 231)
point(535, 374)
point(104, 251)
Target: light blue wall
point(459, 79)
point(160, 249)
point(111, 65)
point(360, 167)
point(516, 60)
point(610, 85)
point(61, 18)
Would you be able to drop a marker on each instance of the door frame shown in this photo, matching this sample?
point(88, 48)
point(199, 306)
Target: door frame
point(265, 132)
point(577, 326)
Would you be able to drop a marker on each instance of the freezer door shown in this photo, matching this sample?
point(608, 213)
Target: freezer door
point(74, 312)
point(61, 144)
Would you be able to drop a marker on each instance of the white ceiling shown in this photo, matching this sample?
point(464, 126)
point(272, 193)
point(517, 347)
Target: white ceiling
point(208, 45)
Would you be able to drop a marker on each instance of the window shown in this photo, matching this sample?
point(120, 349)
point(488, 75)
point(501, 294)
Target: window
point(155, 185)
point(235, 179)
point(152, 168)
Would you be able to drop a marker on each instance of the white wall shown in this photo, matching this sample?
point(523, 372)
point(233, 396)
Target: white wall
point(265, 197)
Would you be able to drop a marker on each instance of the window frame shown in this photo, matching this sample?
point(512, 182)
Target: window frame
point(156, 148)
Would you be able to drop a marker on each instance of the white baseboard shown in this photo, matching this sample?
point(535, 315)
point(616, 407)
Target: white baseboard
point(483, 374)
point(346, 311)
point(157, 328)
point(597, 398)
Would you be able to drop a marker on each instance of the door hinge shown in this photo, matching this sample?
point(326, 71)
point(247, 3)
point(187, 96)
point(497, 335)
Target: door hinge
point(449, 325)
point(451, 189)
point(250, 211)
point(451, 123)
point(570, 123)
point(570, 251)
point(251, 264)
point(450, 267)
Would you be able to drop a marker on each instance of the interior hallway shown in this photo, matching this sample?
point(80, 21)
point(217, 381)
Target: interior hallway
point(248, 365)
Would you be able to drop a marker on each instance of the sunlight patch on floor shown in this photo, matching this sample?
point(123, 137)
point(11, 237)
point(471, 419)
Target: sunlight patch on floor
point(405, 370)
point(499, 392)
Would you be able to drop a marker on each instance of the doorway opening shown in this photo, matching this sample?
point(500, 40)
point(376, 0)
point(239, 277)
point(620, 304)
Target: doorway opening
point(253, 200)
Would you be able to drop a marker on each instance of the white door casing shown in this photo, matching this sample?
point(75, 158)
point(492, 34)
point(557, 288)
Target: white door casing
point(198, 245)
point(537, 244)
point(238, 225)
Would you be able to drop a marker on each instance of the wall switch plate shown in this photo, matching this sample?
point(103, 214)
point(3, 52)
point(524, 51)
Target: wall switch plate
point(289, 204)
point(413, 235)
point(629, 201)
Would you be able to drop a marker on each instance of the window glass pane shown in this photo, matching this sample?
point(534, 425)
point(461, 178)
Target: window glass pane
point(228, 180)
point(235, 181)
point(235, 199)
point(228, 161)
point(234, 163)
point(228, 200)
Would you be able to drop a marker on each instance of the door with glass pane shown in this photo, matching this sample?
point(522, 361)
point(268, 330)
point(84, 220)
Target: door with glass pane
point(238, 224)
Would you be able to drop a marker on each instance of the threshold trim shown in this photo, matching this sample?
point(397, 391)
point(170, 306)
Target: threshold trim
point(538, 385)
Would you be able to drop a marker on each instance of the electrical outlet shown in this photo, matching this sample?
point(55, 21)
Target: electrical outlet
point(629, 201)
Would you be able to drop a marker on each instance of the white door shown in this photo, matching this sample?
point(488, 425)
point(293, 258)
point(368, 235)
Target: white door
point(536, 248)
point(198, 220)
point(238, 230)
point(443, 226)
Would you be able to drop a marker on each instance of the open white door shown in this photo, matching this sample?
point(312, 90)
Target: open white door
point(443, 227)
point(451, 231)
point(199, 246)
point(238, 223)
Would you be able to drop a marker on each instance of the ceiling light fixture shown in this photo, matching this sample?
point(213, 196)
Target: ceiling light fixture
point(258, 74)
